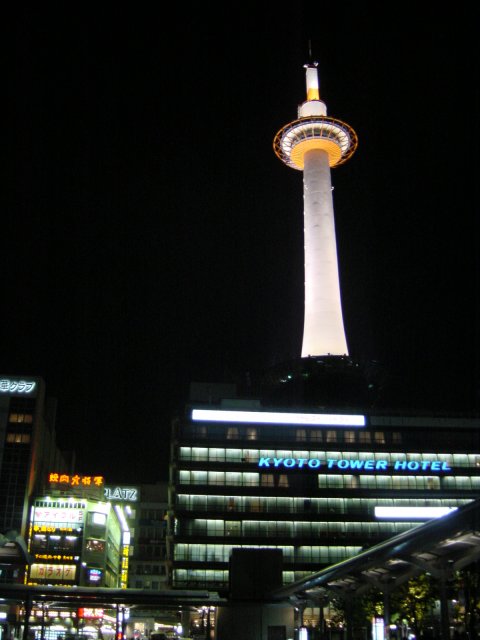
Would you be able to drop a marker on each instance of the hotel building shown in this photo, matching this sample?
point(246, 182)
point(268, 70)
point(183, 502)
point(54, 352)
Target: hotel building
point(319, 484)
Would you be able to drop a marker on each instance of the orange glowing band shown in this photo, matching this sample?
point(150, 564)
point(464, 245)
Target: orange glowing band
point(75, 480)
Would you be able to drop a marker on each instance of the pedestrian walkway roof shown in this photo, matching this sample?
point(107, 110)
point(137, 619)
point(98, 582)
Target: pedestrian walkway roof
point(438, 547)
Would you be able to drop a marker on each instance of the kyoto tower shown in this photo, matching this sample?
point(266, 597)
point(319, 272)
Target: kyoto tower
point(313, 144)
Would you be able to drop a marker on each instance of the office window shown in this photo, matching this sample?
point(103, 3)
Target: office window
point(27, 418)
point(18, 438)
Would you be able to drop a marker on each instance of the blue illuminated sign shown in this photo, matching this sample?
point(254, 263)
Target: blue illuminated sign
point(354, 464)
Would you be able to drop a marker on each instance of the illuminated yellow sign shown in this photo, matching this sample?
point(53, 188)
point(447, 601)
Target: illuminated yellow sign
point(75, 480)
point(50, 556)
point(53, 571)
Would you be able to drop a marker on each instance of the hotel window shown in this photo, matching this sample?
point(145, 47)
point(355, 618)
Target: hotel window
point(251, 433)
point(231, 504)
point(199, 453)
point(283, 480)
point(379, 437)
point(349, 436)
point(301, 435)
point(365, 437)
point(316, 435)
point(331, 436)
point(218, 477)
point(232, 433)
point(266, 480)
point(234, 478)
point(198, 477)
point(396, 437)
point(233, 455)
point(251, 479)
point(233, 528)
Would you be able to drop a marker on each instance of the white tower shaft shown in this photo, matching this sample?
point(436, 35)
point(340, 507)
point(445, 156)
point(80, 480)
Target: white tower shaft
point(324, 332)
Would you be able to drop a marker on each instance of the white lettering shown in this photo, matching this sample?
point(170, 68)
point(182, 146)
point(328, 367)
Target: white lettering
point(121, 493)
point(17, 386)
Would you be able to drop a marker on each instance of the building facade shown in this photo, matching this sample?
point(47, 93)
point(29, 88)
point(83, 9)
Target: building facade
point(27, 451)
point(320, 485)
point(148, 561)
point(77, 537)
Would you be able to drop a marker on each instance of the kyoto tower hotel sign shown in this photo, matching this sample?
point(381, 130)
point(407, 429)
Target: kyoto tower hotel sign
point(312, 144)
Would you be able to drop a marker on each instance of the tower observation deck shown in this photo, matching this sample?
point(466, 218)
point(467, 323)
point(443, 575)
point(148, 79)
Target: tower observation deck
point(313, 144)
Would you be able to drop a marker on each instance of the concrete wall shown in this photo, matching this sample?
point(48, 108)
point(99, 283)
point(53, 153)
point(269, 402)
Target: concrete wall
point(252, 621)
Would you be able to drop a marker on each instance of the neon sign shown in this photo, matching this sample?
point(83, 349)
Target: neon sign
point(75, 480)
point(354, 464)
point(58, 515)
point(129, 494)
point(52, 571)
point(17, 386)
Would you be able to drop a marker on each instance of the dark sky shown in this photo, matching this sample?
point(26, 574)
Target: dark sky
point(150, 236)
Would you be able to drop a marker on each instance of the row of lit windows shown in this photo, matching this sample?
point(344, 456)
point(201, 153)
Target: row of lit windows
point(26, 418)
point(206, 578)
point(218, 454)
point(302, 505)
point(60, 504)
point(198, 552)
point(18, 438)
point(266, 528)
point(327, 481)
point(303, 435)
point(54, 543)
point(398, 482)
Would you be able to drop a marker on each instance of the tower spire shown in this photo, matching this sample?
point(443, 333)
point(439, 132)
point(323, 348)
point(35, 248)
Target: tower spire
point(313, 144)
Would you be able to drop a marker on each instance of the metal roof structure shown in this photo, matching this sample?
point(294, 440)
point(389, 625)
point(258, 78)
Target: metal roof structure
point(439, 547)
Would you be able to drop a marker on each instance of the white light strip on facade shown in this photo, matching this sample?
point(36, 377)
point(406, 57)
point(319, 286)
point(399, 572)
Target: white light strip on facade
point(121, 517)
point(422, 513)
point(271, 417)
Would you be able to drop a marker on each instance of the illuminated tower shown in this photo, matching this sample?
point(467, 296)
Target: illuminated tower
point(313, 143)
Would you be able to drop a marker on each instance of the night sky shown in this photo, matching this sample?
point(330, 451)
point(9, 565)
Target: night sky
point(151, 237)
